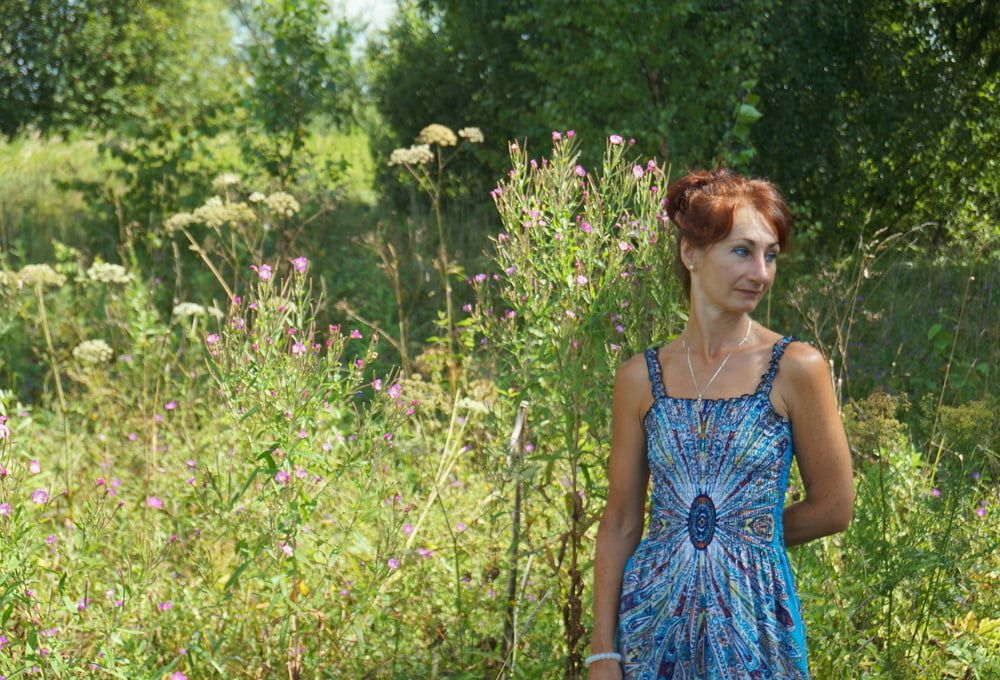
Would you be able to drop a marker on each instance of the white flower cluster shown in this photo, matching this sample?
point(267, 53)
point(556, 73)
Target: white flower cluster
point(178, 221)
point(189, 309)
point(215, 213)
point(40, 275)
point(282, 204)
point(415, 155)
point(224, 181)
point(105, 272)
point(257, 197)
point(7, 279)
point(473, 135)
point(93, 352)
point(437, 134)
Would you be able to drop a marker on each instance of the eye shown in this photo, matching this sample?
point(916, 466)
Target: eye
point(772, 256)
point(740, 251)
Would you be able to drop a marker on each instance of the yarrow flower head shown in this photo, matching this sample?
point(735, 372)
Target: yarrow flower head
point(473, 135)
point(282, 203)
point(188, 309)
point(437, 134)
point(256, 197)
point(224, 181)
point(93, 352)
point(215, 213)
point(105, 272)
point(417, 154)
point(179, 221)
point(40, 275)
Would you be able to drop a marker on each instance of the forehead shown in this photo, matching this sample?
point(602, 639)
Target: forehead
point(749, 224)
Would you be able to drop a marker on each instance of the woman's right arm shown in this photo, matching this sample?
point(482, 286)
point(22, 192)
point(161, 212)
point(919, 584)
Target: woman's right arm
point(621, 524)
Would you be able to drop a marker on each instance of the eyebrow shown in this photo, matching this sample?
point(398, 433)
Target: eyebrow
point(746, 240)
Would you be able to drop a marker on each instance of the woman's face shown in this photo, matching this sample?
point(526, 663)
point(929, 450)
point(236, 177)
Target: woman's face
point(735, 273)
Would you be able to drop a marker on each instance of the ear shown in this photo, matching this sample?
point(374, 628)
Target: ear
point(689, 254)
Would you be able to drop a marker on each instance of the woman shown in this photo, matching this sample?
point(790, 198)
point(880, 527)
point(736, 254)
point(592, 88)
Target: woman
point(710, 417)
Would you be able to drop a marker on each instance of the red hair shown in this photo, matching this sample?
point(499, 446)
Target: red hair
point(701, 205)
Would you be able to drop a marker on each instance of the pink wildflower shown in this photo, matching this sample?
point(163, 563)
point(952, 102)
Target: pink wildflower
point(637, 171)
point(298, 349)
point(395, 391)
point(425, 553)
point(356, 334)
point(581, 280)
point(164, 606)
point(615, 139)
point(154, 502)
point(211, 339)
point(580, 171)
point(287, 549)
point(556, 136)
point(170, 405)
point(300, 264)
point(264, 272)
point(392, 563)
point(585, 227)
point(177, 675)
point(4, 509)
point(377, 384)
point(407, 528)
point(39, 496)
point(281, 477)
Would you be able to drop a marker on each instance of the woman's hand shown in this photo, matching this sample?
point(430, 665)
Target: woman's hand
point(605, 669)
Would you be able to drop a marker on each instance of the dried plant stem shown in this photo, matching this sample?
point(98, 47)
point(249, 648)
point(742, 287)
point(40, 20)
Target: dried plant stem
point(204, 257)
point(57, 377)
point(514, 448)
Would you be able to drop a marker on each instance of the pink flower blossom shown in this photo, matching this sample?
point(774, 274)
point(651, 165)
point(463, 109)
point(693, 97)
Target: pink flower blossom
point(154, 502)
point(392, 563)
point(407, 529)
point(132, 436)
point(637, 171)
point(981, 512)
point(35, 467)
point(39, 496)
point(281, 477)
point(4, 509)
point(177, 675)
point(170, 405)
point(300, 264)
point(264, 272)
point(298, 349)
point(556, 136)
point(935, 492)
point(425, 553)
point(164, 606)
point(377, 384)
point(356, 334)
point(570, 134)
point(211, 339)
point(395, 391)
point(287, 549)
point(615, 139)
point(625, 246)
point(585, 227)
point(580, 171)
point(581, 280)
point(461, 526)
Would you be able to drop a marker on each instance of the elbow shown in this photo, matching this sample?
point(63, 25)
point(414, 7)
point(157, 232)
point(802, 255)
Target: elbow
point(842, 514)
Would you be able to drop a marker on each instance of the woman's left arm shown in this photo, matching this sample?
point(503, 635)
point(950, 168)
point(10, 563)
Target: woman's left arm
point(820, 446)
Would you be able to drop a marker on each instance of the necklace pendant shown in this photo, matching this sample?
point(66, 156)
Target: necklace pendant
point(697, 405)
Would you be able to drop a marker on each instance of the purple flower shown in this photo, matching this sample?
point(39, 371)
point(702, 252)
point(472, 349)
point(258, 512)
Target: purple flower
point(395, 391)
point(461, 526)
point(35, 467)
point(4, 509)
point(581, 280)
point(211, 339)
point(356, 334)
point(287, 549)
point(264, 272)
point(585, 227)
point(425, 553)
point(981, 512)
point(570, 134)
point(177, 675)
point(154, 502)
point(935, 492)
point(637, 171)
point(298, 349)
point(580, 171)
point(615, 139)
point(164, 606)
point(39, 496)
point(300, 264)
point(281, 477)
point(170, 405)
point(393, 563)
point(377, 384)
point(407, 528)
point(556, 136)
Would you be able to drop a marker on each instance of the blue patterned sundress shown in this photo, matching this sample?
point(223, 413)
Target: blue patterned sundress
point(709, 592)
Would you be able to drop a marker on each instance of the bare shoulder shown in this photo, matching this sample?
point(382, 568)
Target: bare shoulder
point(632, 383)
point(803, 361)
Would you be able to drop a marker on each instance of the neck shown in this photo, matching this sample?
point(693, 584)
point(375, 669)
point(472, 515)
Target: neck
point(718, 337)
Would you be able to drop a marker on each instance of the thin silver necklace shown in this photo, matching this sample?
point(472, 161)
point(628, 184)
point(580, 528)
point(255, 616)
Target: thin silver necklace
point(700, 400)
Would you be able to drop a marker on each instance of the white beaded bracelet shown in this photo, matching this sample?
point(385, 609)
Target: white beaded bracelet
point(600, 657)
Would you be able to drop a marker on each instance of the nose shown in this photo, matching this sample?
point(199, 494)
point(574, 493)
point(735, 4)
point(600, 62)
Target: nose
point(760, 272)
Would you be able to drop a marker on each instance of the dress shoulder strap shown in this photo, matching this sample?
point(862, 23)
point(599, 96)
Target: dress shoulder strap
point(776, 353)
point(653, 366)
